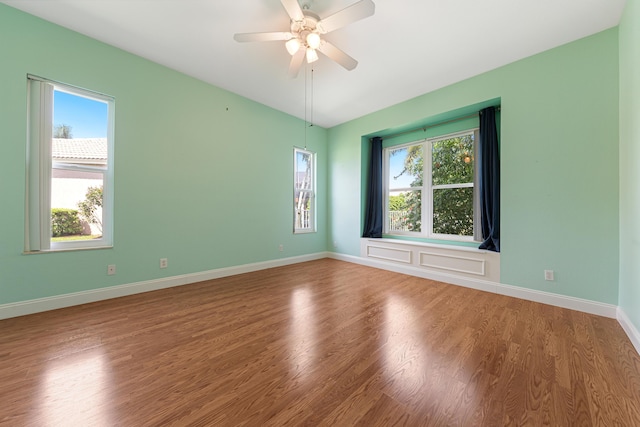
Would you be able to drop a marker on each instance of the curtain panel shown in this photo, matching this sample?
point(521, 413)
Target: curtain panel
point(374, 210)
point(489, 180)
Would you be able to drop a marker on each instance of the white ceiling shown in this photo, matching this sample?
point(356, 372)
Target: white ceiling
point(407, 48)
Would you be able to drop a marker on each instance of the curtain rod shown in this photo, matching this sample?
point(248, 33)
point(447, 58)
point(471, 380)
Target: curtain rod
point(424, 128)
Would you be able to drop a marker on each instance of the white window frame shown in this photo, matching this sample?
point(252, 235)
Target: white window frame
point(40, 165)
point(311, 192)
point(428, 189)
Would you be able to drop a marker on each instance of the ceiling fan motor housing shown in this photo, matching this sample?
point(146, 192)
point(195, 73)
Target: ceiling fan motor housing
point(302, 28)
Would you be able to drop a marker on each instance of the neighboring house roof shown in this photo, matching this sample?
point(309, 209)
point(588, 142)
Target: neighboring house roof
point(80, 150)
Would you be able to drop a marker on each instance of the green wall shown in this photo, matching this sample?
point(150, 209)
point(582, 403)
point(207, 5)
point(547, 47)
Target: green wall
point(630, 162)
point(559, 148)
point(203, 177)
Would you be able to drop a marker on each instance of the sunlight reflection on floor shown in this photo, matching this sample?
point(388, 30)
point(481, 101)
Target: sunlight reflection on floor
point(74, 391)
point(405, 353)
point(303, 332)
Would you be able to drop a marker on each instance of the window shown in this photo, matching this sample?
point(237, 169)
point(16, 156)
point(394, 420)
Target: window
point(429, 187)
point(69, 167)
point(304, 178)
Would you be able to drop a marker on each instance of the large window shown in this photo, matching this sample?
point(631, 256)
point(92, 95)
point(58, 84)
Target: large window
point(70, 167)
point(304, 178)
point(430, 187)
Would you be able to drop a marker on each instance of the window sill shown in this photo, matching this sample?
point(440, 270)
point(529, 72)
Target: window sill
point(304, 231)
point(445, 244)
point(53, 251)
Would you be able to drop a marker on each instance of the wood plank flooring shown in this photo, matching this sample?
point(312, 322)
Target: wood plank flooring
point(323, 343)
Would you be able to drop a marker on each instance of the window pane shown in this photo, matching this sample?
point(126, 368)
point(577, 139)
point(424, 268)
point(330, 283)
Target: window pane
point(303, 209)
point(452, 160)
point(405, 167)
point(453, 211)
point(304, 172)
point(80, 192)
point(304, 191)
point(405, 211)
point(76, 116)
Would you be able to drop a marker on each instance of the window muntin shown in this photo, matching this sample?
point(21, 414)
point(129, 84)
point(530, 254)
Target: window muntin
point(68, 172)
point(440, 206)
point(304, 178)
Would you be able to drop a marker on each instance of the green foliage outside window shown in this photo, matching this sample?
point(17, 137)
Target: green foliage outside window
point(453, 211)
point(451, 163)
point(397, 203)
point(90, 206)
point(65, 222)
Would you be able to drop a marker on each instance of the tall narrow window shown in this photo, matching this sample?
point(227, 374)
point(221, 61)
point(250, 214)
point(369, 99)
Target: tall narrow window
point(304, 178)
point(70, 168)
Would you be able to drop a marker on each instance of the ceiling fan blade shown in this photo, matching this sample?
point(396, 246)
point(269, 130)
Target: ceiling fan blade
point(293, 9)
point(353, 13)
point(337, 55)
point(262, 37)
point(296, 63)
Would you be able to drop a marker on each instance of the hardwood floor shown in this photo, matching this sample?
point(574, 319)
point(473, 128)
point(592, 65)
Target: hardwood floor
point(323, 343)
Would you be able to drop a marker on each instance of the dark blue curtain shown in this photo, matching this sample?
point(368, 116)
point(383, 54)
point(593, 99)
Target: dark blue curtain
point(374, 211)
point(489, 164)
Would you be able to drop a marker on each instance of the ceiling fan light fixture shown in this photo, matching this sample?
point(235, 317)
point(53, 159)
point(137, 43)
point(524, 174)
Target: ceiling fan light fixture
point(313, 40)
point(293, 46)
point(312, 55)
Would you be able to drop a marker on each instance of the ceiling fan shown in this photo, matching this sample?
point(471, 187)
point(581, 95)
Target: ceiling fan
point(304, 39)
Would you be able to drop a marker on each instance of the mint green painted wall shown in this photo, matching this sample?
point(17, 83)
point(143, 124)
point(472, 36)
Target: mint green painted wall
point(559, 147)
point(630, 162)
point(203, 177)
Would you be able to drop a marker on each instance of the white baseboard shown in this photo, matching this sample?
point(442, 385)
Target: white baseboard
point(564, 301)
point(579, 304)
point(632, 332)
point(60, 301)
point(67, 300)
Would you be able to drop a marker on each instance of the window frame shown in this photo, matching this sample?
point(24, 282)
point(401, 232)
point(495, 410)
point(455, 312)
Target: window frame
point(310, 191)
point(427, 189)
point(40, 166)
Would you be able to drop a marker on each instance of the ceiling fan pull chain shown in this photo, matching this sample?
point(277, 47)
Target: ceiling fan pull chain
point(305, 108)
point(311, 106)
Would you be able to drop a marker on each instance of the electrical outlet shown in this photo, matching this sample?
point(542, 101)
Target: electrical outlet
point(164, 263)
point(111, 269)
point(281, 247)
point(548, 275)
